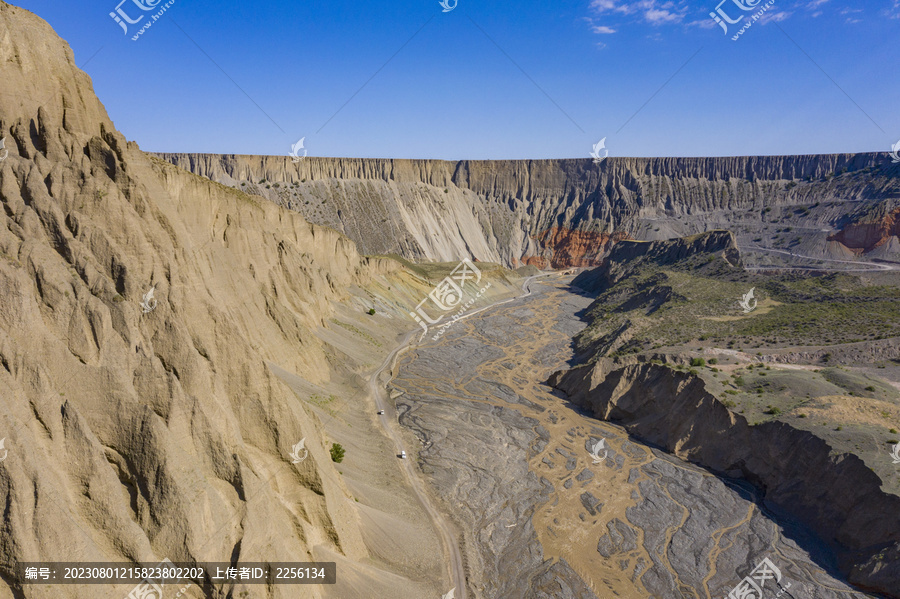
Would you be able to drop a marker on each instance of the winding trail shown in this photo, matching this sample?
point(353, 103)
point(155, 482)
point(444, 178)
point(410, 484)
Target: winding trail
point(874, 266)
point(391, 423)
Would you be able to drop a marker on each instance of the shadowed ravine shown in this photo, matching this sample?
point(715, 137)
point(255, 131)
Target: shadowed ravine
point(510, 463)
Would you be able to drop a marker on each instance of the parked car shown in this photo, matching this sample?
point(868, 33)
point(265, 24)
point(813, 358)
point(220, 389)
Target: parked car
point(403, 454)
point(381, 412)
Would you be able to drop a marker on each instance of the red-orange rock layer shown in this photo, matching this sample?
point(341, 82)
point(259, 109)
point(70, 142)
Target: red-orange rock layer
point(864, 237)
point(565, 248)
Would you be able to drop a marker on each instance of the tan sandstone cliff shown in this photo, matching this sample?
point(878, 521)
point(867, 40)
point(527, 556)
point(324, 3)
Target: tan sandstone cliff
point(136, 435)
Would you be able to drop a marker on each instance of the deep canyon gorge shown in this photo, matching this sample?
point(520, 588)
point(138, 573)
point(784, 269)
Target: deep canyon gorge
point(602, 420)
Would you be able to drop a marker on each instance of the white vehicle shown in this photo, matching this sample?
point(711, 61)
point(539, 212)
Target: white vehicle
point(381, 412)
point(403, 454)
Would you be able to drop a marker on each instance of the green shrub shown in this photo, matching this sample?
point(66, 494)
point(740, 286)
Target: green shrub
point(337, 453)
point(372, 311)
point(774, 411)
point(698, 362)
point(870, 388)
point(713, 361)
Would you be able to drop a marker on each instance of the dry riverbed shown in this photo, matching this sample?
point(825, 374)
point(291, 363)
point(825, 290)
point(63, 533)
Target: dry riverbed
point(509, 460)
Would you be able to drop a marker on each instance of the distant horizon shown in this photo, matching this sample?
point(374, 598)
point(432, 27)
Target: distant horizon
point(581, 158)
point(513, 80)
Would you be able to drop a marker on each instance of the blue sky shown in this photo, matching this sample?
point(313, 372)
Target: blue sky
point(499, 80)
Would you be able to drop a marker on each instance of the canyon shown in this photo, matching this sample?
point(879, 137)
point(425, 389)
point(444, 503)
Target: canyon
point(176, 328)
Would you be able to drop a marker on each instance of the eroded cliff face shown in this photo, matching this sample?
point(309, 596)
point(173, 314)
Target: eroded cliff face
point(557, 213)
point(836, 496)
point(139, 434)
point(869, 233)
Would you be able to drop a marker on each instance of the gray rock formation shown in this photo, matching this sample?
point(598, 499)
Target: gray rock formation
point(836, 496)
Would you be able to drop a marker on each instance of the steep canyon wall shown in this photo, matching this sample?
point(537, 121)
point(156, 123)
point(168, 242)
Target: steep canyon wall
point(558, 213)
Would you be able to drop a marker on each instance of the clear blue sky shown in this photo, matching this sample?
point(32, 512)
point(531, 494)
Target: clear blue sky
point(584, 69)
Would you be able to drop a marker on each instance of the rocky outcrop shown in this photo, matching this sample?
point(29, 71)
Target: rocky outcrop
point(563, 248)
point(628, 256)
point(865, 235)
point(557, 213)
point(836, 496)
